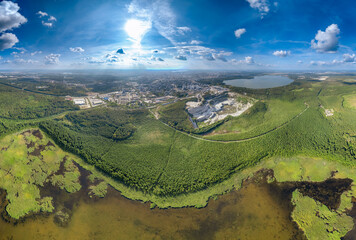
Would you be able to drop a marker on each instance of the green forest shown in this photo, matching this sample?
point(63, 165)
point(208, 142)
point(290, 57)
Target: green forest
point(143, 153)
point(16, 104)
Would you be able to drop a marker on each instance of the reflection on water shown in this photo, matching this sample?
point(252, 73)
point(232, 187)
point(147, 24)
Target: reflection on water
point(257, 211)
point(266, 81)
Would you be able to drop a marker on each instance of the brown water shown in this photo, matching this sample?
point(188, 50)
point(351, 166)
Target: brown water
point(257, 211)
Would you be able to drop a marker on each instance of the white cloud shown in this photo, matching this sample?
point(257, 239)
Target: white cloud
point(239, 32)
point(7, 40)
point(327, 41)
point(93, 60)
point(9, 16)
point(77, 50)
point(137, 29)
point(21, 51)
point(248, 60)
point(209, 57)
point(153, 58)
point(47, 24)
point(23, 61)
point(35, 53)
point(220, 57)
point(181, 57)
point(349, 58)
point(156, 51)
point(112, 59)
point(42, 14)
point(52, 58)
point(160, 13)
point(318, 63)
point(183, 30)
point(49, 20)
point(196, 42)
point(281, 53)
point(263, 6)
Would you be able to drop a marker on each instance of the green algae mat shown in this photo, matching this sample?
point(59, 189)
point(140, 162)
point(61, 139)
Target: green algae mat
point(28, 161)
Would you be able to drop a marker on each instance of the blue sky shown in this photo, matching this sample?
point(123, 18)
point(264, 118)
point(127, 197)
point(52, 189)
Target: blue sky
point(184, 34)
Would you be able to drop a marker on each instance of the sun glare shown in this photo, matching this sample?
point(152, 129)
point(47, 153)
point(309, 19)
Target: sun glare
point(136, 29)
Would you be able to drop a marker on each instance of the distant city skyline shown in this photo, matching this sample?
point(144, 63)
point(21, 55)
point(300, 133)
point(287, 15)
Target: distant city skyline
point(251, 35)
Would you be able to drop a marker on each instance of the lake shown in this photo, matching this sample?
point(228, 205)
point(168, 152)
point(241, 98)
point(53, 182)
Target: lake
point(266, 81)
point(257, 211)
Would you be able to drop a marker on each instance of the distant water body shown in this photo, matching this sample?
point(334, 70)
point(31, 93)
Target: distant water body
point(266, 81)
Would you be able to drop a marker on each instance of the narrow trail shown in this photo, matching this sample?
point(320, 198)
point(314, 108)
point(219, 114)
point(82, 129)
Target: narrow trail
point(233, 141)
point(169, 157)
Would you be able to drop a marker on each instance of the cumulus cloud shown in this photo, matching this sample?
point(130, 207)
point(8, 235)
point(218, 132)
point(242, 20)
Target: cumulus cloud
point(156, 51)
point(327, 41)
point(248, 60)
point(263, 6)
point(153, 58)
point(349, 58)
point(9, 16)
point(51, 18)
point(181, 57)
point(221, 55)
point(113, 59)
point(209, 57)
point(239, 32)
point(281, 53)
point(47, 24)
point(48, 19)
point(52, 58)
point(42, 14)
point(7, 40)
point(120, 51)
point(77, 50)
point(199, 52)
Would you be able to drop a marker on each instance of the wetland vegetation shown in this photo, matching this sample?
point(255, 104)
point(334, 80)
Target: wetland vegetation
point(80, 152)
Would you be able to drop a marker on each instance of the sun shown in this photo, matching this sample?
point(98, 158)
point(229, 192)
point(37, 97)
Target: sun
point(136, 29)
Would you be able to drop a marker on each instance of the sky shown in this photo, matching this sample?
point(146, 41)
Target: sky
point(288, 35)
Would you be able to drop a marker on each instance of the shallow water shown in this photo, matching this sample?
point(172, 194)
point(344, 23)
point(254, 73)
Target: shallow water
point(257, 211)
point(266, 81)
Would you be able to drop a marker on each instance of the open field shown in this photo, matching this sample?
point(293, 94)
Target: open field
point(350, 101)
point(261, 118)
